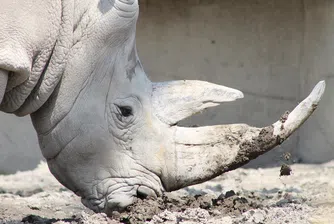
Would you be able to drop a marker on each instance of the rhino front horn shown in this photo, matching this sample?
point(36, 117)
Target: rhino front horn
point(202, 153)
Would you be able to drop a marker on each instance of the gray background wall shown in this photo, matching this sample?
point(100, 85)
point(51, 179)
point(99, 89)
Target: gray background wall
point(274, 51)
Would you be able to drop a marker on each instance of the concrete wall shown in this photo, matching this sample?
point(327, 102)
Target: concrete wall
point(18, 144)
point(317, 136)
point(275, 51)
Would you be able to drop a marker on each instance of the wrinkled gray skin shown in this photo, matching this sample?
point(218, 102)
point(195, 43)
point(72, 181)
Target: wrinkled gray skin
point(107, 132)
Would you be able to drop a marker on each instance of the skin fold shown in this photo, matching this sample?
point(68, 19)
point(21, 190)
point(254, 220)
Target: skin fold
point(108, 133)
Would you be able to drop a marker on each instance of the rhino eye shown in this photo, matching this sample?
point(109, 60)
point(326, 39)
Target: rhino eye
point(125, 111)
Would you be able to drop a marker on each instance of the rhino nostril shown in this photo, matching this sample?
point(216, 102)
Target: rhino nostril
point(144, 192)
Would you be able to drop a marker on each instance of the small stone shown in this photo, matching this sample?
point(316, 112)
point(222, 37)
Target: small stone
point(2, 191)
point(240, 200)
point(221, 196)
point(281, 202)
point(216, 212)
point(287, 156)
point(115, 214)
point(229, 194)
point(205, 201)
point(34, 207)
point(254, 216)
point(285, 170)
point(259, 217)
point(222, 220)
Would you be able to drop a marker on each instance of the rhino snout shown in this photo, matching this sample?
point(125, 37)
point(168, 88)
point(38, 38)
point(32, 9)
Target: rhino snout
point(118, 200)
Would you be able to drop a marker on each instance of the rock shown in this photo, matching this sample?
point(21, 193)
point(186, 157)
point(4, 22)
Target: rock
point(203, 201)
point(229, 194)
point(254, 216)
point(222, 220)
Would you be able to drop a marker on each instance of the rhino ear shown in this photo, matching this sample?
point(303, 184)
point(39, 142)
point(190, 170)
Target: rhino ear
point(176, 100)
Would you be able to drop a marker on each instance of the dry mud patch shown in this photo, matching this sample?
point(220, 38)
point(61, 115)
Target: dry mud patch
point(240, 196)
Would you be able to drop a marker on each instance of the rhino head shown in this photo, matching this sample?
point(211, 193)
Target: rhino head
point(110, 134)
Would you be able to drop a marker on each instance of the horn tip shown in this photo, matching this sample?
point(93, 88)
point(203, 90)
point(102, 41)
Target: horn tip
point(318, 91)
point(239, 95)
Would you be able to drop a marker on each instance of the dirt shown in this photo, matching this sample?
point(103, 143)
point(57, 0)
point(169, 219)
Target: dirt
point(230, 203)
point(258, 145)
point(251, 149)
point(285, 170)
point(240, 196)
point(284, 117)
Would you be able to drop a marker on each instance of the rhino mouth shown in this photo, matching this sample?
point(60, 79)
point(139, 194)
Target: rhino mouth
point(145, 192)
point(119, 199)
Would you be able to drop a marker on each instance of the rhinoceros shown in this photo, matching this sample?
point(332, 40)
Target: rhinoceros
point(107, 132)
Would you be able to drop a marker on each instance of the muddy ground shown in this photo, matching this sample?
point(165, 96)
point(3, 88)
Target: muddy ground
point(240, 196)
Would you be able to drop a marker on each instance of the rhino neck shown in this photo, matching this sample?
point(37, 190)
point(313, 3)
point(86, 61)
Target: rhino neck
point(54, 66)
point(29, 89)
point(41, 84)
